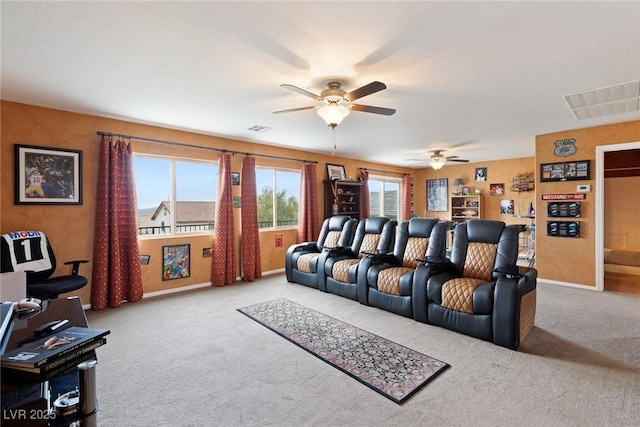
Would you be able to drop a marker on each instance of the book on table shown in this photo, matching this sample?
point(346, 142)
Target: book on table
point(47, 353)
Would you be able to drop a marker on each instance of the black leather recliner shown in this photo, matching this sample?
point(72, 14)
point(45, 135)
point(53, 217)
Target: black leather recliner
point(301, 259)
point(340, 273)
point(386, 281)
point(480, 291)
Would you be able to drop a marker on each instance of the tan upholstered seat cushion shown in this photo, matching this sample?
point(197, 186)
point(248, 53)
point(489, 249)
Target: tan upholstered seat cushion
point(389, 279)
point(340, 271)
point(457, 294)
point(304, 262)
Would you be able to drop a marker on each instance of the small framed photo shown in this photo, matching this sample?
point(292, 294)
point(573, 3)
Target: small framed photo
point(176, 262)
point(47, 176)
point(496, 189)
point(336, 172)
point(481, 174)
point(466, 191)
point(235, 178)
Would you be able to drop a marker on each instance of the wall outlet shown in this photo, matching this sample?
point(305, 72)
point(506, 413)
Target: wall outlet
point(583, 188)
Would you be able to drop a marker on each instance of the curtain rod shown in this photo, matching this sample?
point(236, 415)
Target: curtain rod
point(380, 170)
point(221, 150)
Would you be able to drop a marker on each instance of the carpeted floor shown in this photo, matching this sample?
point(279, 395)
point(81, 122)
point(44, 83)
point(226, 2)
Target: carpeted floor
point(192, 359)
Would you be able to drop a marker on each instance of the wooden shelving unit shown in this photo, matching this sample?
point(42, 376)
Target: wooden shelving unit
point(345, 194)
point(464, 207)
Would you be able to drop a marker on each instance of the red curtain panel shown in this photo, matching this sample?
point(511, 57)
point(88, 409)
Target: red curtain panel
point(406, 198)
point(224, 253)
point(365, 196)
point(251, 267)
point(116, 273)
point(308, 227)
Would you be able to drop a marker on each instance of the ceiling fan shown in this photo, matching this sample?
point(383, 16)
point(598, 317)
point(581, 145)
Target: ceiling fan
point(339, 103)
point(437, 159)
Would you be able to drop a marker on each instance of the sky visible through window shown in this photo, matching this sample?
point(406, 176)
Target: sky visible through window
point(195, 181)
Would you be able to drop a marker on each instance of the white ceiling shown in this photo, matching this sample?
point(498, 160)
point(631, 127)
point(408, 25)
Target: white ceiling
point(479, 79)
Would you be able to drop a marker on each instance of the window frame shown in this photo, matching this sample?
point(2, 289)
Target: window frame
point(386, 179)
point(274, 170)
point(173, 190)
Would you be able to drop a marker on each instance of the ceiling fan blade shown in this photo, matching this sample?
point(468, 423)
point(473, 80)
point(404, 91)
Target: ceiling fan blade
point(452, 157)
point(458, 160)
point(365, 90)
point(294, 109)
point(301, 91)
point(370, 109)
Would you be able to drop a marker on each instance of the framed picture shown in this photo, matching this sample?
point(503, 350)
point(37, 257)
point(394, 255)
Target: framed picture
point(481, 174)
point(47, 176)
point(336, 172)
point(235, 178)
point(565, 171)
point(176, 262)
point(496, 189)
point(466, 191)
point(438, 195)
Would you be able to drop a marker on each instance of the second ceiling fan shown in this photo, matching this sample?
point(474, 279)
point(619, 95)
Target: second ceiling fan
point(338, 103)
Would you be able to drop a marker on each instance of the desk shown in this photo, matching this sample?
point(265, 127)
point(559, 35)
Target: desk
point(28, 400)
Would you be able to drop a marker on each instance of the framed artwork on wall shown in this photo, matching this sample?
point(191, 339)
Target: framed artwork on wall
point(336, 172)
point(176, 262)
point(438, 195)
point(565, 171)
point(47, 176)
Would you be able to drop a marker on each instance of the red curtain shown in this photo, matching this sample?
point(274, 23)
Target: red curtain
point(116, 272)
point(251, 267)
point(406, 198)
point(365, 196)
point(308, 228)
point(223, 270)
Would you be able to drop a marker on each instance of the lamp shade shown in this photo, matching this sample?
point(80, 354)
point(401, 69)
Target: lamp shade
point(458, 181)
point(333, 114)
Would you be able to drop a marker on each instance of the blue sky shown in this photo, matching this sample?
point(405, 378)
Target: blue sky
point(194, 181)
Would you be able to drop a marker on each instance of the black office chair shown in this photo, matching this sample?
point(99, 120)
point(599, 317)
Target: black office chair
point(31, 252)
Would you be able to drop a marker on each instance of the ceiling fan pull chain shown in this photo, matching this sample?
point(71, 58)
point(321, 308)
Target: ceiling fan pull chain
point(333, 131)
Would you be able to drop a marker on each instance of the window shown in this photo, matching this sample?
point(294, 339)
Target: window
point(278, 197)
point(385, 196)
point(174, 196)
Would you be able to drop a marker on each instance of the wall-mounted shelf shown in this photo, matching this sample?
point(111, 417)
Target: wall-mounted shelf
point(523, 182)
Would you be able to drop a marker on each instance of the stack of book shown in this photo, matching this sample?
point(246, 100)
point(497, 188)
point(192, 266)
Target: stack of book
point(54, 354)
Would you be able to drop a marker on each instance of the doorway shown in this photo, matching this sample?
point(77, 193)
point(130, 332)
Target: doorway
point(600, 204)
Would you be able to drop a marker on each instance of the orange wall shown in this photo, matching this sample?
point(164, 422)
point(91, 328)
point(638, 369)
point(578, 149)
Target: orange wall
point(498, 172)
point(70, 228)
point(572, 260)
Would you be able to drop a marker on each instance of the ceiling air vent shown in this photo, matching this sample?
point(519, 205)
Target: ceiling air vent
point(621, 98)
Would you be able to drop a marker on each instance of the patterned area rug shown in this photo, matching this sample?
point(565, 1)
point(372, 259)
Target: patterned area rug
point(391, 369)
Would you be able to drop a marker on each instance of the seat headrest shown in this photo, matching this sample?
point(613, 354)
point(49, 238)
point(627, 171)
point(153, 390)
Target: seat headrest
point(484, 230)
point(375, 224)
point(336, 223)
point(421, 227)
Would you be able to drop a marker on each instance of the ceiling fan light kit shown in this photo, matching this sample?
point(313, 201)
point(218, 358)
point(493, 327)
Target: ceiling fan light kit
point(437, 164)
point(333, 114)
